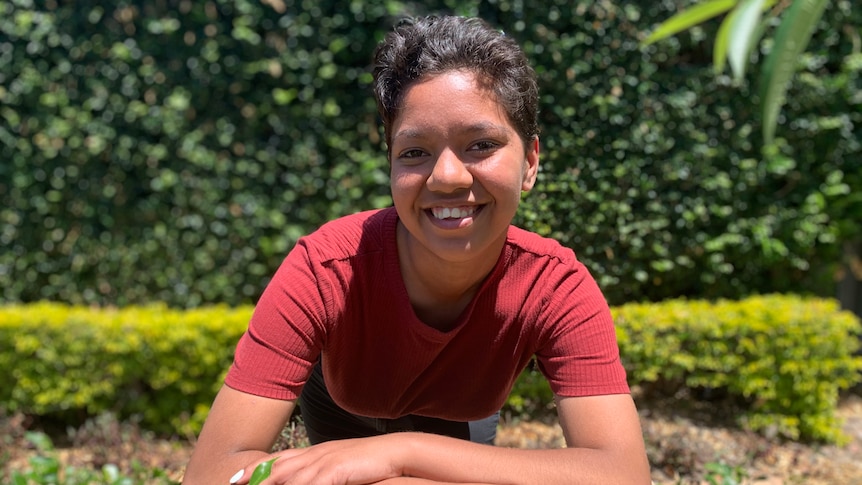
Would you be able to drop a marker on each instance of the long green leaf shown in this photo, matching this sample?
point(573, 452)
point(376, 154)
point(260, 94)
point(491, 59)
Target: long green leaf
point(689, 18)
point(722, 38)
point(719, 50)
point(791, 39)
point(745, 19)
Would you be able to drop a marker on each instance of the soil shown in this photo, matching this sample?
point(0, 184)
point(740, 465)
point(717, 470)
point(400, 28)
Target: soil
point(683, 447)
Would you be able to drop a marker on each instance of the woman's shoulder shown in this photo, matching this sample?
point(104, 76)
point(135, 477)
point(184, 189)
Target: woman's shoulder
point(533, 257)
point(346, 236)
point(527, 243)
point(357, 222)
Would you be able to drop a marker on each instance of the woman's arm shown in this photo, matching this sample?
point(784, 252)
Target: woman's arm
point(610, 425)
point(240, 429)
point(605, 446)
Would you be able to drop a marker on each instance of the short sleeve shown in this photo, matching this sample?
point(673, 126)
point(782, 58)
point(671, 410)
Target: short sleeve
point(275, 355)
point(578, 350)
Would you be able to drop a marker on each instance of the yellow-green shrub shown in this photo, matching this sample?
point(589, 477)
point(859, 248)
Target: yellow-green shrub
point(159, 364)
point(786, 357)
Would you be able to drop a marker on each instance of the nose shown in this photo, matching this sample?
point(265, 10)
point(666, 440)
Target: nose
point(449, 174)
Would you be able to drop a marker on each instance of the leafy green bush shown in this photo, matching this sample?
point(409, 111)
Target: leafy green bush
point(174, 151)
point(785, 357)
point(162, 365)
point(653, 171)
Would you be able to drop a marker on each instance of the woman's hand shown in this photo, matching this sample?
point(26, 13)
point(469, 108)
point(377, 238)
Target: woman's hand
point(342, 462)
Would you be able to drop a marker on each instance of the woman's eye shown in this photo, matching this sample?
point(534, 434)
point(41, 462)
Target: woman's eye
point(484, 146)
point(413, 153)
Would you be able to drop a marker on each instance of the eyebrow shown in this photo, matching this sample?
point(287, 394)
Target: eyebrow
point(478, 127)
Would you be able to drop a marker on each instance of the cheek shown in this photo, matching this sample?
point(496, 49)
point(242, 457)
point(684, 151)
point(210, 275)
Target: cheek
point(401, 184)
point(504, 179)
point(397, 179)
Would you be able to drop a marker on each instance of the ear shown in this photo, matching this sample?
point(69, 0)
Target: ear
point(531, 165)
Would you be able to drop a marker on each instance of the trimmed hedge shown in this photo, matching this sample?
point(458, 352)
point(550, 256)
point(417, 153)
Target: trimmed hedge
point(175, 150)
point(161, 365)
point(786, 358)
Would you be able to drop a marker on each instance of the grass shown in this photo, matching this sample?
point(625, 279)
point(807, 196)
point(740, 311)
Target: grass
point(45, 468)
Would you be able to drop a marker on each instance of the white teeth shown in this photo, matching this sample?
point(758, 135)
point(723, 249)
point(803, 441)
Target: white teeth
point(452, 213)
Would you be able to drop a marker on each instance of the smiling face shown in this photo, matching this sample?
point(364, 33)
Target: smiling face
point(458, 167)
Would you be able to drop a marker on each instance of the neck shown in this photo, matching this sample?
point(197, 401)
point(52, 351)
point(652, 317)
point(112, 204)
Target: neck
point(443, 280)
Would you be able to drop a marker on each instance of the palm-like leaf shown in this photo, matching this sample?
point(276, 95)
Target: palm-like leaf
point(689, 18)
point(791, 39)
point(742, 34)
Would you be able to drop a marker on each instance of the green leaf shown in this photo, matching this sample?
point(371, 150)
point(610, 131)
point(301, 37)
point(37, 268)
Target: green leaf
point(111, 473)
point(719, 50)
point(722, 38)
point(689, 18)
point(743, 28)
point(261, 472)
point(40, 440)
point(791, 39)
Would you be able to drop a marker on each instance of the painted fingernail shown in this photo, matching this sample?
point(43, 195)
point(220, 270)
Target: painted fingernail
point(236, 476)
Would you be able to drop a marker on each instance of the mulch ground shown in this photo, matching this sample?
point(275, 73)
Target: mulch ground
point(681, 447)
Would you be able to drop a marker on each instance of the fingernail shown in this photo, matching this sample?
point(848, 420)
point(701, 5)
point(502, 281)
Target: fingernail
point(236, 476)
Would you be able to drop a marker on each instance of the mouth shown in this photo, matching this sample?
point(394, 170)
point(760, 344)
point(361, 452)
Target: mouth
point(450, 213)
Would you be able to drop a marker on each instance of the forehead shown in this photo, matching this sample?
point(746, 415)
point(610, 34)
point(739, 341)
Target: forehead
point(448, 99)
point(461, 81)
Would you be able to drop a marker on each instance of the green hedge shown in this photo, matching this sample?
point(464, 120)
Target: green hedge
point(174, 150)
point(785, 358)
point(163, 366)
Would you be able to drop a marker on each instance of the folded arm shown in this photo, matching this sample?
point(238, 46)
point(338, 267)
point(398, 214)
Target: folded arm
point(605, 446)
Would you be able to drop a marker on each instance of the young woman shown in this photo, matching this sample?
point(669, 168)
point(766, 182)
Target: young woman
point(401, 331)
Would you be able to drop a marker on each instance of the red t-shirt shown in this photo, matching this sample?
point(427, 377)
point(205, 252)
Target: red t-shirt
point(339, 293)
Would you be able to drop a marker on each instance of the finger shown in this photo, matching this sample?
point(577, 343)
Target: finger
point(260, 470)
point(255, 473)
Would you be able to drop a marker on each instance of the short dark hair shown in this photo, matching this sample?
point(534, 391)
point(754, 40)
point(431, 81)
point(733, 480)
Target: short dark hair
point(427, 46)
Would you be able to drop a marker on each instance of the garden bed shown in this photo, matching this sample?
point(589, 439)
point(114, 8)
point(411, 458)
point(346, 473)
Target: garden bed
point(688, 446)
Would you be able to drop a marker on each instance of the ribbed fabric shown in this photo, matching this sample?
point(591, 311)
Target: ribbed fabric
point(339, 294)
